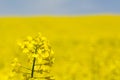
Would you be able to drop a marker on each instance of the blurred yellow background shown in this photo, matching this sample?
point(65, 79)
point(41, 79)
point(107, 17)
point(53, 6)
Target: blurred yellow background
point(86, 47)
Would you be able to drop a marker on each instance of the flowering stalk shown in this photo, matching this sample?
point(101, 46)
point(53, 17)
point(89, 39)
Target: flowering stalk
point(40, 56)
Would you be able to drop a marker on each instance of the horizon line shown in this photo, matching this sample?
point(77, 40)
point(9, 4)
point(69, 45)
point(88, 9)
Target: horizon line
point(80, 15)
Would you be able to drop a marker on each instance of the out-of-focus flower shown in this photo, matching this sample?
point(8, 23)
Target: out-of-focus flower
point(15, 65)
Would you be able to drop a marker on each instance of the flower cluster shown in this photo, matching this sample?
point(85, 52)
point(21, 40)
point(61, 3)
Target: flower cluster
point(40, 56)
point(37, 47)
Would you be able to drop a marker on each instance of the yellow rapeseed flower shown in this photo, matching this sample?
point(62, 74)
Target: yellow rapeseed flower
point(25, 50)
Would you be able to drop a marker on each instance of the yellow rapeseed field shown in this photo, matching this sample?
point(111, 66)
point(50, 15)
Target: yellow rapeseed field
point(86, 47)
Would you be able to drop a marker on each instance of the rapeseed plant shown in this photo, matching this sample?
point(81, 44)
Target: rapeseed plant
point(40, 57)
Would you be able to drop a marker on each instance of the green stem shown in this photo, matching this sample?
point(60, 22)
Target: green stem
point(33, 65)
point(26, 68)
point(32, 73)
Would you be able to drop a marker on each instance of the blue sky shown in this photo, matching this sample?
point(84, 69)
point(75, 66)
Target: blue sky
point(58, 7)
